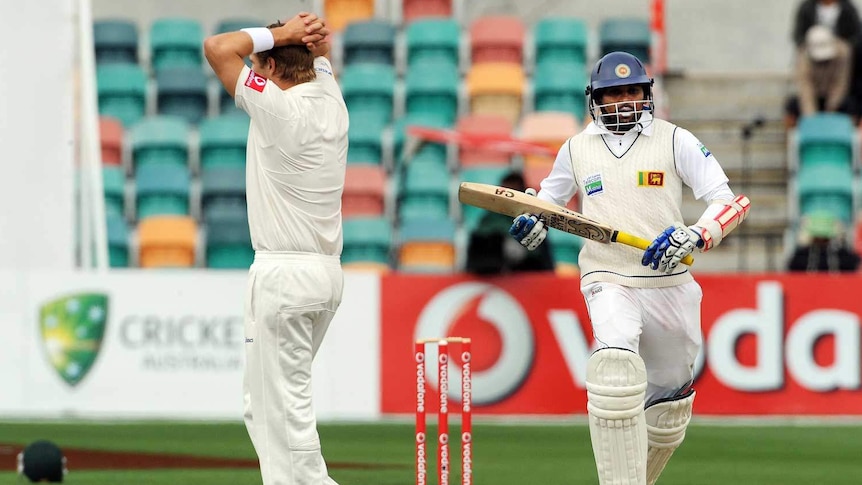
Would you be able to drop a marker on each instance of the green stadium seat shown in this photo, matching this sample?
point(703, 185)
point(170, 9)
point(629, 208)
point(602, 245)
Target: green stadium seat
point(493, 175)
point(369, 92)
point(425, 192)
point(115, 41)
point(176, 42)
point(114, 184)
point(161, 189)
point(826, 138)
point(630, 35)
point(122, 92)
point(228, 243)
point(827, 187)
point(435, 39)
point(237, 23)
point(367, 240)
point(560, 87)
point(371, 41)
point(118, 241)
point(426, 151)
point(565, 249)
point(160, 140)
point(182, 91)
point(560, 40)
point(222, 188)
point(223, 140)
point(431, 89)
point(365, 142)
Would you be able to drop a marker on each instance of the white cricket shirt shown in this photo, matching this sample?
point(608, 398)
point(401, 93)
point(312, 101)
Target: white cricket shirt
point(295, 161)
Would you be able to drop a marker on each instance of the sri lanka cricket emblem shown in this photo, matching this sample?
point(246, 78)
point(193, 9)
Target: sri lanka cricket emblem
point(72, 328)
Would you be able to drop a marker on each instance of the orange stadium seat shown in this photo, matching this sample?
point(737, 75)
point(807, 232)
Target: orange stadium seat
point(497, 38)
point(167, 242)
point(111, 134)
point(339, 13)
point(548, 128)
point(480, 124)
point(496, 88)
point(414, 9)
point(364, 191)
point(427, 246)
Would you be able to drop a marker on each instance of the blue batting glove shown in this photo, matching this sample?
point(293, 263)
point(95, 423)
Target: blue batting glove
point(670, 247)
point(528, 230)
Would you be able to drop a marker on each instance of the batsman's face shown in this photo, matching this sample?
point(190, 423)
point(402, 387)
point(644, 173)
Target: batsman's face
point(624, 101)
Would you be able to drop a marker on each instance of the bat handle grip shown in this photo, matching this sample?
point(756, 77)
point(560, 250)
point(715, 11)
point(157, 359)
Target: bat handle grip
point(639, 243)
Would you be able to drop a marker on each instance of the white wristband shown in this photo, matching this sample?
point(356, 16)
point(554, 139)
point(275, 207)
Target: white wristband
point(261, 37)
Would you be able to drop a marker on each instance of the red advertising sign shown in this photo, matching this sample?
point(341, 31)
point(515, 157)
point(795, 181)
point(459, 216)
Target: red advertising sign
point(773, 344)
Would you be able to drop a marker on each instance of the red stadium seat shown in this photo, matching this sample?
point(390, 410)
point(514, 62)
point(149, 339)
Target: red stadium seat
point(364, 191)
point(492, 125)
point(111, 134)
point(497, 38)
point(413, 9)
point(533, 176)
point(548, 128)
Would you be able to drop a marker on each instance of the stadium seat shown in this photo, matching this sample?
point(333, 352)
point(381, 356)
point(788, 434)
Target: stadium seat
point(176, 42)
point(631, 35)
point(826, 138)
point(364, 191)
point(111, 139)
point(365, 143)
point(371, 41)
point(431, 89)
point(560, 87)
point(367, 243)
point(560, 40)
point(427, 151)
point(236, 23)
point(490, 125)
point(826, 187)
point(548, 128)
point(118, 241)
point(122, 92)
point(433, 39)
point(470, 215)
point(228, 243)
point(114, 185)
point(496, 88)
point(427, 245)
point(565, 249)
point(533, 175)
point(413, 10)
point(340, 13)
point(167, 242)
point(115, 41)
point(369, 91)
point(161, 189)
point(160, 140)
point(497, 38)
point(182, 91)
point(223, 141)
point(222, 189)
point(425, 192)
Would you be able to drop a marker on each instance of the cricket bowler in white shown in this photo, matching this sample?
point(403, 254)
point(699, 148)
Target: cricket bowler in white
point(644, 306)
point(295, 166)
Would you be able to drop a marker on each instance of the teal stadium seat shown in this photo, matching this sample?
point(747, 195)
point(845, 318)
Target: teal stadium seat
point(160, 140)
point(433, 40)
point(228, 243)
point(431, 90)
point(371, 41)
point(426, 245)
point(560, 87)
point(118, 241)
point(493, 175)
point(426, 152)
point(826, 187)
point(565, 248)
point(176, 42)
point(182, 91)
point(223, 192)
point(826, 138)
point(223, 140)
point(367, 240)
point(369, 92)
point(115, 41)
point(162, 189)
point(560, 40)
point(630, 35)
point(365, 143)
point(122, 92)
point(237, 23)
point(114, 184)
point(425, 192)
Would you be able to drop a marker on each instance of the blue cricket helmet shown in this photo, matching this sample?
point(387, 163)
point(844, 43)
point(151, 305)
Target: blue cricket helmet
point(618, 69)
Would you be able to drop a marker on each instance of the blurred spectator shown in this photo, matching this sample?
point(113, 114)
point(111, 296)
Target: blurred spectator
point(491, 250)
point(839, 16)
point(823, 247)
point(823, 76)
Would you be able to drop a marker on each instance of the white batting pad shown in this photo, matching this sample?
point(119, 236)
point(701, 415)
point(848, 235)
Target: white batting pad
point(666, 422)
point(616, 386)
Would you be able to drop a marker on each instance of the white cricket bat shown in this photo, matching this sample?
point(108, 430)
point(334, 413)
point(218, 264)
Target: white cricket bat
point(514, 203)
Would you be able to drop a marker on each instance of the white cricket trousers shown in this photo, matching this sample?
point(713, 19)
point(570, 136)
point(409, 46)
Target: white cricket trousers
point(290, 301)
point(662, 325)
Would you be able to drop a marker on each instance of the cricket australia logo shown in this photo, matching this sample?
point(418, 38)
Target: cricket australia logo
point(72, 328)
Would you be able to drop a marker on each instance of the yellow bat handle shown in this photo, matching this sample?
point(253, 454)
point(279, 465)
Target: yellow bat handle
point(639, 243)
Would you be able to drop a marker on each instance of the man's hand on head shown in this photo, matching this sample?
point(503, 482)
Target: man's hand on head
point(304, 28)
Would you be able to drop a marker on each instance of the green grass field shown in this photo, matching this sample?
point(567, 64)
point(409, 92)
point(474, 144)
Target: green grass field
point(547, 454)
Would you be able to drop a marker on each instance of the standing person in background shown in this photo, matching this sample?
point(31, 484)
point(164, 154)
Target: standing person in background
point(295, 166)
point(644, 306)
point(839, 16)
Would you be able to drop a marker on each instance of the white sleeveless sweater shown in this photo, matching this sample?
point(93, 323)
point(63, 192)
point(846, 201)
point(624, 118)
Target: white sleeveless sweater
point(639, 193)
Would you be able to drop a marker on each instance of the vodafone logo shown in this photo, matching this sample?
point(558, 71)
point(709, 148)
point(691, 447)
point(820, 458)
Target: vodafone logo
point(255, 81)
point(496, 307)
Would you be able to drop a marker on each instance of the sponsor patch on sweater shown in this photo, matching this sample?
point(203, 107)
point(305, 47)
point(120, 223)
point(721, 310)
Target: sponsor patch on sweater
point(593, 185)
